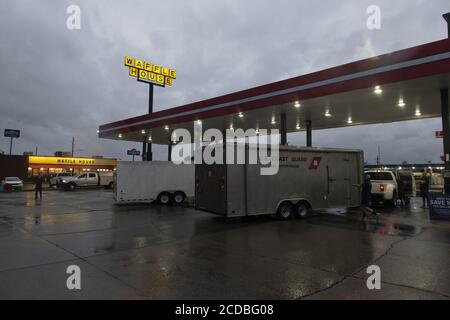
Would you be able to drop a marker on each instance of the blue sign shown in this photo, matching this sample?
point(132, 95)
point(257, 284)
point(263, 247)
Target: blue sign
point(439, 206)
point(133, 152)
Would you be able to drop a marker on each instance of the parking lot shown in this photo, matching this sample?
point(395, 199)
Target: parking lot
point(153, 252)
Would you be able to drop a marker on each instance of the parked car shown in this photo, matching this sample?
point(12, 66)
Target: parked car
point(12, 183)
point(436, 183)
point(56, 179)
point(88, 179)
point(384, 187)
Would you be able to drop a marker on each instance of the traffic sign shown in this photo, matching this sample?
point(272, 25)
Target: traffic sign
point(133, 152)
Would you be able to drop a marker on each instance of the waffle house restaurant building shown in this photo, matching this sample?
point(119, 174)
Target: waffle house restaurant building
point(26, 167)
point(52, 165)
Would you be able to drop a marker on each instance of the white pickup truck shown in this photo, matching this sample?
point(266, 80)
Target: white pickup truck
point(88, 179)
point(384, 187)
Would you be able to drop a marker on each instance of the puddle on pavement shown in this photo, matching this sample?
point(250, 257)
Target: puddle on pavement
point(384, 228)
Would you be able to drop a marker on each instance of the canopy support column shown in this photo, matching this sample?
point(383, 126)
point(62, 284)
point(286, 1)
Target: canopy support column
point(445, 110)
point(169, 149)
point(309, 133)
point(283, 129)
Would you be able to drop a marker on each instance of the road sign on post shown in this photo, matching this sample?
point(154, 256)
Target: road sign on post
point(133, 152)
point(11, 133)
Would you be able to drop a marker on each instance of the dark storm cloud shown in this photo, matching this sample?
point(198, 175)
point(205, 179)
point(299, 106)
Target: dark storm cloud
point(56, 83)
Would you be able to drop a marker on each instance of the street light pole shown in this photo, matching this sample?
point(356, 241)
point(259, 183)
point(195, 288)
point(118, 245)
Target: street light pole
point(73, 144)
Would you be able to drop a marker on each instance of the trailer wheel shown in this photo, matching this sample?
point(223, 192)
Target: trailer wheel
point(285, 210)
point(164, 198)
point(111, 185)
point(179, 197)
point(302, 209)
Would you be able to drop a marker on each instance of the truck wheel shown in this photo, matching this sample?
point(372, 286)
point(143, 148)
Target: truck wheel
point(302, 209)
point(285, 211)
point(71, 187)
point(179, 197)
point(164, 198)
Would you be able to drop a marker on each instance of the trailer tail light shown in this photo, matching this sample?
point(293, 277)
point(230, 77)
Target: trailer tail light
point(222, 185)
point(382, 187)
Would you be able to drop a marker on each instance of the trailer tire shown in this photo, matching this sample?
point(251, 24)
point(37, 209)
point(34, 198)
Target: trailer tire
point(111, 185)
point(302, 209)
point(179, 197)
point(164, 198)
point(285, 210)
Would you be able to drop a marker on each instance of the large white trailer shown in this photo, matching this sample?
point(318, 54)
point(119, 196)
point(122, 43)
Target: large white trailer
point(308, 178)
point(153, 181)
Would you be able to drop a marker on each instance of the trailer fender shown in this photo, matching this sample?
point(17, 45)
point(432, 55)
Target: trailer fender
point(293, 201)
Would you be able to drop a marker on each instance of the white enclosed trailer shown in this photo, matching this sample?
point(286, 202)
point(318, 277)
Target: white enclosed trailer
point(153, 181)
point(308, 178)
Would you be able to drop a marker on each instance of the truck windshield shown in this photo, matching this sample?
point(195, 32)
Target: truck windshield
point(380, 176)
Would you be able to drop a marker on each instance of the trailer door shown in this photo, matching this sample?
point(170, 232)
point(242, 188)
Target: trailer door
point(210, 188)
point(338, 180)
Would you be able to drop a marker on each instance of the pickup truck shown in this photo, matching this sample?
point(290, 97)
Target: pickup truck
point(56, 179)
point(88, 179)
point(384, 187)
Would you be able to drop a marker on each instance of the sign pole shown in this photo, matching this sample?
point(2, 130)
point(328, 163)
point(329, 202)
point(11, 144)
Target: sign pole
point(10, 146)
point(154, 75)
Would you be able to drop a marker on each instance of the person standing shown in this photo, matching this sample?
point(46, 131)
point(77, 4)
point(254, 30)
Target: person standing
point(366, 194)
point(424, 189)
point(401, 191)
point(38, 186)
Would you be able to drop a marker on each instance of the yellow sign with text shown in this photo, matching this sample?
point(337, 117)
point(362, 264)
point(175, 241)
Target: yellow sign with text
point(72, 161)
point(151, 73)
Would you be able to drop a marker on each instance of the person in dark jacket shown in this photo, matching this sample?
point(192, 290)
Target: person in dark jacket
point(366, 194)
point(38, 186)
point(424, 189)
point(401, 191)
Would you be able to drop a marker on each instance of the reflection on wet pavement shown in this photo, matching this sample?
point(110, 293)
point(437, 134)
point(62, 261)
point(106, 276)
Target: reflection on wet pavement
point(148, 251)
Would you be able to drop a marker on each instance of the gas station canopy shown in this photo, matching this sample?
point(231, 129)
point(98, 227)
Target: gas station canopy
point(402, 85)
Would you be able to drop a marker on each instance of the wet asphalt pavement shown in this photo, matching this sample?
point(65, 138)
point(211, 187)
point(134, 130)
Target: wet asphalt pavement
point(153, 252)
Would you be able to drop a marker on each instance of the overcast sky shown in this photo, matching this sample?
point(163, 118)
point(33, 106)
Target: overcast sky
point(56, 83)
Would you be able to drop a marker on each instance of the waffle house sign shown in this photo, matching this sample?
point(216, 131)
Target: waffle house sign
point(151, 73)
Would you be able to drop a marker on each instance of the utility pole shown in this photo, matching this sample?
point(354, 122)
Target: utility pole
point(36, 151)
point(73, 144)
point(379, 156)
